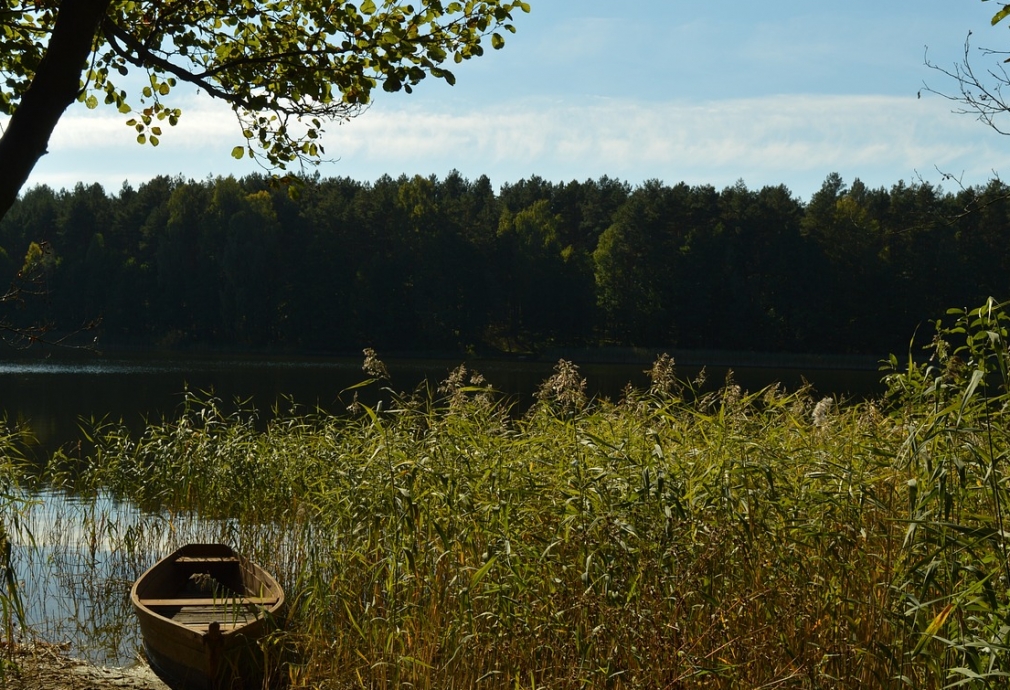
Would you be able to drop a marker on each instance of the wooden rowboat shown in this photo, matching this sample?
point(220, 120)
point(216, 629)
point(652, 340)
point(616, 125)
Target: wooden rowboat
point(202, 611)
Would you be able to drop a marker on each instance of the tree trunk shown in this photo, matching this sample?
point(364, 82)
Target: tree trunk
point(56, 84)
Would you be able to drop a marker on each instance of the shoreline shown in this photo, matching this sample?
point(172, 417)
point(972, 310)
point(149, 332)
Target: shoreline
point(580, 355)
point(45, 666)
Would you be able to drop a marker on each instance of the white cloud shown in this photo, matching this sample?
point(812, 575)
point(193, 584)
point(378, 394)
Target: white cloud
point(203, 123)
point(767, 137)
point(791, 139)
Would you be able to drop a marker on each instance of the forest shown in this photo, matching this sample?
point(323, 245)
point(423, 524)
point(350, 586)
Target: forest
point(415, 264)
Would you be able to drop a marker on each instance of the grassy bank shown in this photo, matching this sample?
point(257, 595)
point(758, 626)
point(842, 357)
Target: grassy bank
point(669, 539)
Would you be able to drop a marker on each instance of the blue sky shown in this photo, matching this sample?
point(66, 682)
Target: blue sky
point(781, 92)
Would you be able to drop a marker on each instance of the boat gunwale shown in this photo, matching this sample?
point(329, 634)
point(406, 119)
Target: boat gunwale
point(261, 573)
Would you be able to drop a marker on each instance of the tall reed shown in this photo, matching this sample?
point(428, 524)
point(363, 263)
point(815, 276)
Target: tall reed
point(15, 439)
point(670, 539)
point(953, 582)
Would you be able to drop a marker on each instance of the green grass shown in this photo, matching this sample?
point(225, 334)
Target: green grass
point(670, 539)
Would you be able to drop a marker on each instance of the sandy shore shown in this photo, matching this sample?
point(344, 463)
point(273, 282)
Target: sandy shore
point(46, 667)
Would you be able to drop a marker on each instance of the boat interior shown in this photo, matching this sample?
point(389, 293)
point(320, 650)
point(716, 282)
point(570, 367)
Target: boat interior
point(201, 590)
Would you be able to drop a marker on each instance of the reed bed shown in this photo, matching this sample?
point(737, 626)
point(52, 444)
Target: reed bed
point(671, 539)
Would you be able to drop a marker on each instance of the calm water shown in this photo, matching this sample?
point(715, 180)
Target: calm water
point(55, 396)
point(76, 560)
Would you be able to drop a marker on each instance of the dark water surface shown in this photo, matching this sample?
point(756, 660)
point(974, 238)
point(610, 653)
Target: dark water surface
point(55, 395)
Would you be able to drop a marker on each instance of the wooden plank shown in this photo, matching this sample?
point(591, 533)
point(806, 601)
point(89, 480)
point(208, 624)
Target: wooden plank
point(193, 617)
point(210, 601)
point(204, 627)
point(206, 559)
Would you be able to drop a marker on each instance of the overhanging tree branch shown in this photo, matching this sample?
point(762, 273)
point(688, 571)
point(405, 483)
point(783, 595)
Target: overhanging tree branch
point(273, 62)
point(141, 56)
point(978, 95)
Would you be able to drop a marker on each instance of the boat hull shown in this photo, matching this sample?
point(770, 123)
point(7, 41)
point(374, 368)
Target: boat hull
point(203, 611)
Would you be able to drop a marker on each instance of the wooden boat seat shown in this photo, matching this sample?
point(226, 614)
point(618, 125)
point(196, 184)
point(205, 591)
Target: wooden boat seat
point(206, 559)
point(210, 601)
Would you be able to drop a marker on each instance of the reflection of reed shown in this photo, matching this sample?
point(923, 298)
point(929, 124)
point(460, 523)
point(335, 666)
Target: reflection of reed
point(77, 567)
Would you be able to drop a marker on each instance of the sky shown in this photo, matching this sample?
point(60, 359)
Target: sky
point(783, 92)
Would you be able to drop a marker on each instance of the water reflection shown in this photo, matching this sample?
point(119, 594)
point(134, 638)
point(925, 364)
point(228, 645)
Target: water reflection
point(76, 560)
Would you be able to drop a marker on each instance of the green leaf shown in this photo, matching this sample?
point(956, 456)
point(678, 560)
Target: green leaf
point(479, 575)
point(368, 7)
point(238, 152)
point(1001, 15)
point(91, 101)
point(497, 42)
point(933, 628)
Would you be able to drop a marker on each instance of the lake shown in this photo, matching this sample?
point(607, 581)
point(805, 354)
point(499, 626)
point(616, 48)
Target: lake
point(53, 395)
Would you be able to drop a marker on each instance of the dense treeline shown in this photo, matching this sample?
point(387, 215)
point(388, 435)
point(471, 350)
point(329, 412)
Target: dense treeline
point(422, 263)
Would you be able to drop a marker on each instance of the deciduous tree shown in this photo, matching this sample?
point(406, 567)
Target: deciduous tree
point(285, 67)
